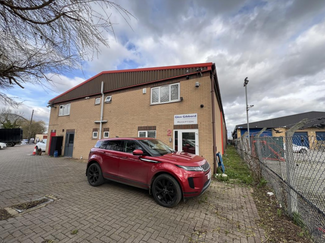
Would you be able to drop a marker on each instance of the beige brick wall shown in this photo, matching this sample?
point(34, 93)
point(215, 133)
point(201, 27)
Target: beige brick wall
point(131, 108)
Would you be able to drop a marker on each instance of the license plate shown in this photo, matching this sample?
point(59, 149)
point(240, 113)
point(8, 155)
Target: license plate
point(209, 175)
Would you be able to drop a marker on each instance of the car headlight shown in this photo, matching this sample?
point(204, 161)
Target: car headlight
point(191, 168)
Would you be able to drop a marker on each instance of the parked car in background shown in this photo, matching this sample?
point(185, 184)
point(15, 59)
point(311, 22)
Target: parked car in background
point(149, 164)
point(42, 145)
point(297, 148)
point(3, 145)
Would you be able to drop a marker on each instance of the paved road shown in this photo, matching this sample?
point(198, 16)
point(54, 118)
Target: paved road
point(113, 212)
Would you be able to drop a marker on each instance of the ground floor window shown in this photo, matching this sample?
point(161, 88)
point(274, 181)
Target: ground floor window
point(147, 134)
point(95, 134)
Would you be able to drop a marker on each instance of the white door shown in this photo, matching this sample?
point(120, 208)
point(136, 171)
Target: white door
point(186, 141)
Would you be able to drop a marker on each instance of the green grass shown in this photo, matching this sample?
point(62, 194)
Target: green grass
point(236, 168)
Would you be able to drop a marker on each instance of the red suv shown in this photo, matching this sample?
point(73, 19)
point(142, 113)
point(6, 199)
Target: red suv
point(150, 164)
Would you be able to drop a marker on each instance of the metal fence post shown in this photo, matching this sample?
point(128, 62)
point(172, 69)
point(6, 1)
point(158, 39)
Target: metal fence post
point(243, 146)
point(258, 153)
point(258, 145)
point(290, 167)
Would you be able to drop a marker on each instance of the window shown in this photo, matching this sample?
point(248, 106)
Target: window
point(95, 134)
point(97, 101)
point(106, 134)
point(64, 110)
point(115, 145)
point(130, 146)
point(147, 134)
point(165, 94)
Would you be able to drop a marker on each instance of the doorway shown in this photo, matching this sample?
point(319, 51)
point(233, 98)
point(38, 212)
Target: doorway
point(68, 148)
point(186, 141)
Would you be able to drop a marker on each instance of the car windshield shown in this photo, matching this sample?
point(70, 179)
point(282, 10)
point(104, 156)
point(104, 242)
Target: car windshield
point(156, 147)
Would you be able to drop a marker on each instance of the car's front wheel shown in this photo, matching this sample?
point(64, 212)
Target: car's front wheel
point(303, 151)
point(94, 175)
point(166, 191)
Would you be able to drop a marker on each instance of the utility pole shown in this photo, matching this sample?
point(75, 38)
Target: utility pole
point(30, 124)
point(247, 109)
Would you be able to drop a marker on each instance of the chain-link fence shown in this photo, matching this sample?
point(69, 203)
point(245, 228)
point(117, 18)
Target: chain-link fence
point(294, 166)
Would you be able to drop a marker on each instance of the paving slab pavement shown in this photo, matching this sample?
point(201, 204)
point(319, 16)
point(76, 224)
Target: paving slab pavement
point(114, 212)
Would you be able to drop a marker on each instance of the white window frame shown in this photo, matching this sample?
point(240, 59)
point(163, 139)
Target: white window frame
point(170, 94)
point(95, 136)
point(180, 139)
point(106, 134)
point(146, 132)
point(97, 101)
point(64, 110)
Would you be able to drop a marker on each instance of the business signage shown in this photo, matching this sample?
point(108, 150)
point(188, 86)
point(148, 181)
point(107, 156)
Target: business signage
point(185, 119)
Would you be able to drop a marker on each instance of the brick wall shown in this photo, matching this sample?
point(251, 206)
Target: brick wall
point(130, 109)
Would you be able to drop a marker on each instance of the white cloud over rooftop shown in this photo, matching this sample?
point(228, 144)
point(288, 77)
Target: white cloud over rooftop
point(277, 44)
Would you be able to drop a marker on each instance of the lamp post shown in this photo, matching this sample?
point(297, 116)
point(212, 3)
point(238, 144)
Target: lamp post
point(247, 108)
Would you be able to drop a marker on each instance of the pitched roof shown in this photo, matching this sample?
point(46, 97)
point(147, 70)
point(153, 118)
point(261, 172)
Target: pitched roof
point(316, 119)
point(123, 79)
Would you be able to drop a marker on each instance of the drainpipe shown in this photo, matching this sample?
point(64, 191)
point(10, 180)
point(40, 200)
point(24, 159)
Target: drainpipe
point(101, 110)
point(213, 121)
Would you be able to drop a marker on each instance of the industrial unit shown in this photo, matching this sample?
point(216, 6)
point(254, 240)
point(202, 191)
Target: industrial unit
point(179, 105)
point(311, 135)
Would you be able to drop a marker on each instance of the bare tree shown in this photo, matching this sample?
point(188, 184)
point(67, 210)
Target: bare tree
point(9, 119)
point(38, 37)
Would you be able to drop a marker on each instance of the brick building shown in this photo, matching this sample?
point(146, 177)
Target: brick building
point(180, 105)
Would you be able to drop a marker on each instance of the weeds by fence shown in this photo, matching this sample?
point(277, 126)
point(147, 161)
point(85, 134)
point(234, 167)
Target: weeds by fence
point(294, 166)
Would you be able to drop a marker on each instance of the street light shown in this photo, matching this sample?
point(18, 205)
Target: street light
point(247, 109)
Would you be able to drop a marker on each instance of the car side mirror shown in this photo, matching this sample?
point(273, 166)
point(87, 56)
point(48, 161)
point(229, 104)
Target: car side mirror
point(138, 152)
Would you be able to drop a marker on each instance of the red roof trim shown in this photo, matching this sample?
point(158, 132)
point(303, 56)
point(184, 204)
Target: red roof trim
point(156, 81)
point(208, 65)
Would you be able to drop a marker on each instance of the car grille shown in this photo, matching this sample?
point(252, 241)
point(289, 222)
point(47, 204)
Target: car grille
point(206, 166)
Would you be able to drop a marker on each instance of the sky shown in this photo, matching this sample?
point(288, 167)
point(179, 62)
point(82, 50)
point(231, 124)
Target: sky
point(279, 45)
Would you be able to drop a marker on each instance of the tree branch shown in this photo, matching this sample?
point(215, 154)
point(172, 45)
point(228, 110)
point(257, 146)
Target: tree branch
point(26, 8)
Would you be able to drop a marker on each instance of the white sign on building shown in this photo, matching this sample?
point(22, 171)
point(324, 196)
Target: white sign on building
point(185, 119)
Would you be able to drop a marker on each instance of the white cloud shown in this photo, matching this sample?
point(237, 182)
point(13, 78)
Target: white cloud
point(61, 83)
point(277, 44)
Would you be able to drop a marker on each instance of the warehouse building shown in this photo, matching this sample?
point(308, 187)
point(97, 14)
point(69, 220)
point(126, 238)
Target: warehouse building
point(179, 105)
point(311, 135)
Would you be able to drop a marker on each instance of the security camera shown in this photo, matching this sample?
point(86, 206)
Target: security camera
point(197, 84)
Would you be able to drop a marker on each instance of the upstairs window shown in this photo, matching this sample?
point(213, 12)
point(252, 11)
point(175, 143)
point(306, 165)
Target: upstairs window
point(165, 94)
point(64, 110)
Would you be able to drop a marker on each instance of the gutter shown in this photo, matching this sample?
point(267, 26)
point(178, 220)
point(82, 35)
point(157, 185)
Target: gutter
point(213, 120)
point(101, 110)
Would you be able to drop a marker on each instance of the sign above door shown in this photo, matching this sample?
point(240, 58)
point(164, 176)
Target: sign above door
point(185, 119)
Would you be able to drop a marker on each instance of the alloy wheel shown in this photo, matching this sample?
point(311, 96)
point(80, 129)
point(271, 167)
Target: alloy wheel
point(166, 191)
point(94, 175)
